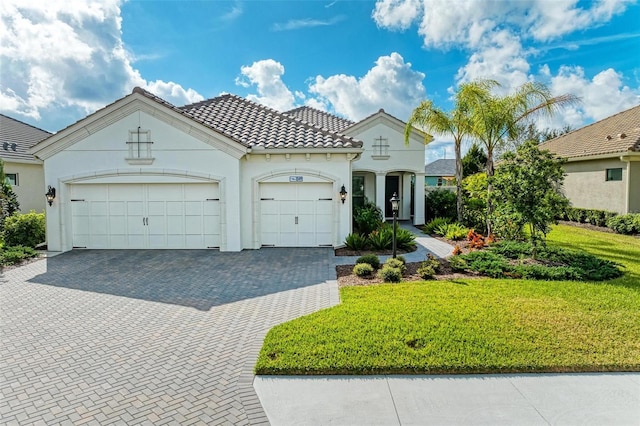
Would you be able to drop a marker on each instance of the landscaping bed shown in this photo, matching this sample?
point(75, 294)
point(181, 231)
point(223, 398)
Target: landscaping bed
point(347, 278)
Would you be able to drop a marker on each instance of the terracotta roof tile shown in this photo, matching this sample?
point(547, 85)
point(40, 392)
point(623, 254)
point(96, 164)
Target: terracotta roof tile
point(257, 126)
point(17, 137)
point(320, 119)
point(616, 134)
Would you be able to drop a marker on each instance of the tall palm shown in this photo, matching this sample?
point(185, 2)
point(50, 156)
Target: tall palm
point(455, 123)
point(497, 118)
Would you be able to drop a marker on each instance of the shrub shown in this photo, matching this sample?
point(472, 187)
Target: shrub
point(16, 254)
point(476, 241)
point(457, 250)
point(426, 271)
point(381, 239)
point(405, 239)
point(509, 225)
point(441, 203)
point(390, 274)
point(548, 273)
point(396, 263)
point(625, 224)
point(363, 270)
point(367, 218)
point(24, 229)
point(487, 263)
point(432, 261)
point(458, 264)
point(430, 227)
point(512, 249)
point(356, 241)
point(456, 232)
point(370, 259)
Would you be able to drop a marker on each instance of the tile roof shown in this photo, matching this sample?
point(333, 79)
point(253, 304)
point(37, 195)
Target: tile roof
point(619, 133)
point(321, 119)
point(442, 167)
point(17, 137)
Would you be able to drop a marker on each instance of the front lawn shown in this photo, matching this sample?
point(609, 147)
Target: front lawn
point(474, 325)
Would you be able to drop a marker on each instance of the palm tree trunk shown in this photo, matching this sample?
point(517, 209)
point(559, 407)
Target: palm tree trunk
point(490, 172)
point(458, 181)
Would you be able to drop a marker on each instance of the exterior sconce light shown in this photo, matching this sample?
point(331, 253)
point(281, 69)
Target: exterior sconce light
point(343, 194)
point(51, 194)
point(394, 207)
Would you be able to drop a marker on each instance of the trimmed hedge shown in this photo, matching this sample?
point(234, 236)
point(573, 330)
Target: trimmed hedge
point(622, 224)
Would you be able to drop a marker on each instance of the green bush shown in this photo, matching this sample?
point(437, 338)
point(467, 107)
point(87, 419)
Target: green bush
point(440, 203)
point(430, 227)
point(356, 241)
point(363, 270)
point(381, 239)
point(367, 218)
point(458, 264)
point(487, 263)
point(625, 224)
point(452, 231)
point(396, 263)
point(370, 259)
point(432, 261)
point(512, 249)
point(426, 271)
point(390, 274)
point(548, 273)
point(405, 239)
point(16, 254)
point(24, 229)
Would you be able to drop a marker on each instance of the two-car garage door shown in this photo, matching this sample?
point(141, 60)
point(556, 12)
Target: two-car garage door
point(139, 216)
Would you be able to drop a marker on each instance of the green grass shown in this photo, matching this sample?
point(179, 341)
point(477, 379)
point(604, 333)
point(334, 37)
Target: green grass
point(474, 325)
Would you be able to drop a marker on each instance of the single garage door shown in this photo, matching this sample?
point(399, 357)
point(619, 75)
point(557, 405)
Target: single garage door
point(296, 214)
point(145, 216)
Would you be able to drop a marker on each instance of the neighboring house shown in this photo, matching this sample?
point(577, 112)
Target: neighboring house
point(21, 168)
point(440, 173)
point(386, 166)
point(603, 163)
point(223, 173)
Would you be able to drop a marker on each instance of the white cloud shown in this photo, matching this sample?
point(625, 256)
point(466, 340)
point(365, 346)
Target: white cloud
point(439, 148)
point(64, 60)
point(396, 14)
point(391, 84)
point(267, 75)
point(296, 24)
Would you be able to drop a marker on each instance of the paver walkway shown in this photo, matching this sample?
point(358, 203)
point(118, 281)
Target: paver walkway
point(148, 337)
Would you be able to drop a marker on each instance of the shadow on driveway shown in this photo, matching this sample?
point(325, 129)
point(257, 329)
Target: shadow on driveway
point(196, 278)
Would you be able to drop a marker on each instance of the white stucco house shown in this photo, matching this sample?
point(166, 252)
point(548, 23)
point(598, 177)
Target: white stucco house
point(224, 173)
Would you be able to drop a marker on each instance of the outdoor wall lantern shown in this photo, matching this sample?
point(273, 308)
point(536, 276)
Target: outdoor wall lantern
point(394, 207)
point(343, 194)
point(51, 194)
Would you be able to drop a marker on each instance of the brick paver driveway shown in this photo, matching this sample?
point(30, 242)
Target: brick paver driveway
point(148, 337)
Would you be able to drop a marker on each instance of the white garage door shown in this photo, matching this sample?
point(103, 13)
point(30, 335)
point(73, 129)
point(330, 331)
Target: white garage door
point(296, 214)
point(141, 216)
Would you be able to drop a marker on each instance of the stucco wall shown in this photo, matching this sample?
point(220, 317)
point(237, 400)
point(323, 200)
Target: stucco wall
point(585, 185)
point(30, 189)
point(634, 187)
point(255, 168)
point(179, 157)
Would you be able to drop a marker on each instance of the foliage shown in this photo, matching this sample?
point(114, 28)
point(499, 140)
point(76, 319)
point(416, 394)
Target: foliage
point(367, 218)
point(625, 224)
point(370, 259)
point(457, 263)
point(476, 241)
point(452, 231)
point(363, 270)
point(24, 229)
point(440, 203)
point(405, 239)
point(381, 239)
point(432, 261)
point(8, 199)
point(487, 263)
point(526, 189)
point(389, 274)
point(355, 241)
point(430, 227)
point(474, 161)
point(456, 250)
point(592, 216)
point(475, 200)
point(16, 254)
point(512, 249)
point(426, 271)
point(508, 224)
point(402, 259)
point(396, 263)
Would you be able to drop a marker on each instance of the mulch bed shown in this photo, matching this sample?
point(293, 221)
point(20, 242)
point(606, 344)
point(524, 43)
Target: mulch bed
point(347, 252)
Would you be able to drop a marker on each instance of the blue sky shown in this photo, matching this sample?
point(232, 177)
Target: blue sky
point(60, 61)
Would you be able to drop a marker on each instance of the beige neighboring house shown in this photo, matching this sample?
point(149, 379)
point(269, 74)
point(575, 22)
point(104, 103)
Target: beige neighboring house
point(21, 168)
point(603, 163)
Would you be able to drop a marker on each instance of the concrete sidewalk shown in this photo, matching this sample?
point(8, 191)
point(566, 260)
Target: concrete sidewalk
point(522, 399)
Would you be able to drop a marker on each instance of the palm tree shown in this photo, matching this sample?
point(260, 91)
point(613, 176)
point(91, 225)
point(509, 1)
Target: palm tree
point(497, 118)
point(456, 123)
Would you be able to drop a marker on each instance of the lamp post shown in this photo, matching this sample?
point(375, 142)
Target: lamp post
point(394, 207)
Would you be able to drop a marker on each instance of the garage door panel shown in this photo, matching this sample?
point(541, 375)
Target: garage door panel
point(135, 208)
point(118, 225)
point(98, 208)
point(193, 208)
point(117, 208)
point(211, 208)
point(175, 208)
point(156, 208)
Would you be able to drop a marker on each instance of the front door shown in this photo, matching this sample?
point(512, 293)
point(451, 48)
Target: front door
point(392, 184)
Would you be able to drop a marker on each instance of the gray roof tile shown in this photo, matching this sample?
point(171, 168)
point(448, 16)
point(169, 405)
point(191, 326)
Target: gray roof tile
point(616, 134)
point(320, 119)
point(442, 167)
point(18, 135)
